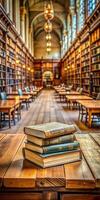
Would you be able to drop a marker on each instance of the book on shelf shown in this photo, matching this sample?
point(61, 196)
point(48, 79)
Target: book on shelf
point(52, 148)
point(53, 159)
point(50, 141)
point(50, 130)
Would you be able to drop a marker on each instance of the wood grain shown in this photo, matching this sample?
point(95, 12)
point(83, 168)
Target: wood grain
point(8, 148)
point(91, 152)
point(78, 175)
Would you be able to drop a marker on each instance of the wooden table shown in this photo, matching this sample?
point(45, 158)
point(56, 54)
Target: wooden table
point(73, 99)
point(20, 179)
point(63, 94)
point(92, 107)
point(24, 98)
point(9, 106)
point(32, 94)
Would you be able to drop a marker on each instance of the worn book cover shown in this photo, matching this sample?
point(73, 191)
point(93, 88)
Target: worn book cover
point(50, 130)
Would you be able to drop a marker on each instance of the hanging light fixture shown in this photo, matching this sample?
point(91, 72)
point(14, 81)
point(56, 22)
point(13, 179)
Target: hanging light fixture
point(48, 49)
point(48, 26)
point(48, 44)
point(48, 36)
point(48, 10)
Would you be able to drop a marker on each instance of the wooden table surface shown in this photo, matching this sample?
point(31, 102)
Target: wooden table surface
point(9, 103)
point(17, 173)
point(15, 96)
point(90, 103)
point(78, 97)
point(92, 107)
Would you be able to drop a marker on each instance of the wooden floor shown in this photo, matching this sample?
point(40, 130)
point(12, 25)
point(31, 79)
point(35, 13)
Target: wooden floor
point(46, 108)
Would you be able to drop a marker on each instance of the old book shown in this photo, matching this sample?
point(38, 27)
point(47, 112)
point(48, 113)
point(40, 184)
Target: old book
point(49, 160)
point(51, 141)
point(53, 148)
point(50, 130)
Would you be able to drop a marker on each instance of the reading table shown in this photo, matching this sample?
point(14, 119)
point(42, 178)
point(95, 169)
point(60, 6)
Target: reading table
point(20, 179)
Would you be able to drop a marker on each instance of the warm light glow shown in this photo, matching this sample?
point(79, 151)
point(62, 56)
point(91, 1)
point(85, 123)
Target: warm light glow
point(28, 68)
point(48, 49)
point(32, 70)
point(48, 44)
point(24, 66)
point(48, 26)
point(48, 36)
point(48, 11)
point(17, 61)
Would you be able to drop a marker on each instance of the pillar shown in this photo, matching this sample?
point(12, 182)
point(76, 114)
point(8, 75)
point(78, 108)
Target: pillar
point(22, 22)
point(10, 10)
point(17, 15)
point(30, 39)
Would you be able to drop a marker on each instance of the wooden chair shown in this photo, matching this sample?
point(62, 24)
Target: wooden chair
point(83, 112)
point(3, 115)
point(3, 96)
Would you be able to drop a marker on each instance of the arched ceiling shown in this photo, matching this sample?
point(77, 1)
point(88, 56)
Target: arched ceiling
point(37, 20)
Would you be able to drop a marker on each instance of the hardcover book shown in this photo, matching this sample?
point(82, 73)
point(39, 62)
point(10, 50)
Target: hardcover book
point(50, 130)
point(48, 160)
point(51, 141)
point(53, 148)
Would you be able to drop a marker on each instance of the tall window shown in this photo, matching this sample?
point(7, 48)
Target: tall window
point(82, 14)
point(73, 26)
point(91, 6)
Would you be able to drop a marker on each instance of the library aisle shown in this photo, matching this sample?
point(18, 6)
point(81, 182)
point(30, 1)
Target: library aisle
point(46, 108)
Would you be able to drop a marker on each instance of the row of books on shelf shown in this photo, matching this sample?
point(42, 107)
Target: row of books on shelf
point(51, 144)
point(2, 82)
point(2, 53)
point(2, 61)
point(96, 59)
point(96, 51)
point(2, 68)
point(95, 35)
point(96, 67)
point(96, 82)
point(85, 68)
point(85, 63)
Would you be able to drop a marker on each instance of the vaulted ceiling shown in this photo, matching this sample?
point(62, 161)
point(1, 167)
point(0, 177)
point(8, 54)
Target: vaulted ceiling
point(37, 20)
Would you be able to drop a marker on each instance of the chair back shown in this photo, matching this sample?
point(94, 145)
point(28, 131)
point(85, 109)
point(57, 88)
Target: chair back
point(98, 96)
point(3, 96)
point(27, 89)
point(77, 89)
point(80, 90)
point(20, 93)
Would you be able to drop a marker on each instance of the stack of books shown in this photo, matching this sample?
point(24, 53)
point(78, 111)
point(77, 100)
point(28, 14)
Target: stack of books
point(51, 144)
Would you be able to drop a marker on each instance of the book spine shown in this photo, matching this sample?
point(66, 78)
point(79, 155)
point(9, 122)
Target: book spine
point(54, 133)
point(59, 140)
point(61, 147)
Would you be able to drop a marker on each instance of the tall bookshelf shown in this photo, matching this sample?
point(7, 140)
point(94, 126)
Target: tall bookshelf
point(95, 60)
point(2, 60)
point(77, 64)
point(16, 62)
point(85, 61)
point(86, 66)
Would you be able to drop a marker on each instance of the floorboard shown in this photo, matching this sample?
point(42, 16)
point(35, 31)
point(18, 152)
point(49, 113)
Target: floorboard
point(46, 108)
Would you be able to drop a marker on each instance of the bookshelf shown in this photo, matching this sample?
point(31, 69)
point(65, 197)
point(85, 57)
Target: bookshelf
point(16, 62)
point(86, 51)
point(85, 65)
point(2, 60)
point(95, 60)
point(77, 64)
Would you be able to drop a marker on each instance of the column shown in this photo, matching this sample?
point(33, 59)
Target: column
point(27, 25)
point(10, 10)
point(30, 39)
point(22, 22)
point(17, 15)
